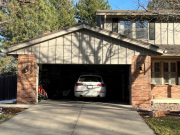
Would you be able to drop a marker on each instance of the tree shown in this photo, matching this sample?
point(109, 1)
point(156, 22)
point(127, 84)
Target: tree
point(8, 64)
point(65, 11)
point(163, 4)
point(22, 21)
point(86, 10)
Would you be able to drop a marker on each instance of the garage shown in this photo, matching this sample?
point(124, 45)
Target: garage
point(59, 80)
point(61, 57)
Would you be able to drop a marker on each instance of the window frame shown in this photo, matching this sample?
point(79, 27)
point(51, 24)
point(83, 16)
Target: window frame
point(147, 29)
point(115, 22)
point(162, 80)
point(124, 29)
point(152, 30)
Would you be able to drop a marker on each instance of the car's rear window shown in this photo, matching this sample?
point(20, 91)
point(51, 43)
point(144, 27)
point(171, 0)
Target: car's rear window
point(90, 79)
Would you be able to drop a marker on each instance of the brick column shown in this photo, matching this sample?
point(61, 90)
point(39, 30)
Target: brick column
point(141, 82)
point(26, 81)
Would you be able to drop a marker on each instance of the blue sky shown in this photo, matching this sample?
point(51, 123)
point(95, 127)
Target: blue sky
point(126, 4)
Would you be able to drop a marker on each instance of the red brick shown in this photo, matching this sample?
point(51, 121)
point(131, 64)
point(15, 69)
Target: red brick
point(141, 82)
point(26, 82)
point(165, 91)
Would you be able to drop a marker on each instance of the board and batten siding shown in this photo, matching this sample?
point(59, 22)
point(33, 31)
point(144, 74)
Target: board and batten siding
point(166, 33)
point(84, 47)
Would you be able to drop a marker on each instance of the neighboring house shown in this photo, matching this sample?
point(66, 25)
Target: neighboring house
point(143, 41)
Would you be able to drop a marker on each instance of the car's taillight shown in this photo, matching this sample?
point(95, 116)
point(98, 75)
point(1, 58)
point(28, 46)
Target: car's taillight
point(79, 84)
point(101, 84)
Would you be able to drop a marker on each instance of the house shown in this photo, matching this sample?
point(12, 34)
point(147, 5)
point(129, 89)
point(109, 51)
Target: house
point(159, 28)
point(138, 48)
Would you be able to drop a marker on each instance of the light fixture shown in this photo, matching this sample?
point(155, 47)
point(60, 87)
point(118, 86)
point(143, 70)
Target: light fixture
point(140, 70)
point(26, 69)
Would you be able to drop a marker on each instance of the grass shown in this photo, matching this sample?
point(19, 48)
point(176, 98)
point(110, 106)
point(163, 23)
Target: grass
point(164, 126)
point(5, 117)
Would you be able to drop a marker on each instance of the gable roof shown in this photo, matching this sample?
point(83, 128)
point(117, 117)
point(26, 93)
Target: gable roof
point(79, 27)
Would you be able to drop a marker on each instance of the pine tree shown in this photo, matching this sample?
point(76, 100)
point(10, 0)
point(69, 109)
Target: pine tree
point(65, 11)
point(21, 21)
point(86, 10)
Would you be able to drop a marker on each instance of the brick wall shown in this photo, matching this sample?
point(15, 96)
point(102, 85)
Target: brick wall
point(165, 91)
point(141, 82)
point(26, 82)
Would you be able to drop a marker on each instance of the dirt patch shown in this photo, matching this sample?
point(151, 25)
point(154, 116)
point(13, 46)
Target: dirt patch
point(168, 115)
point(12, 111)
point(8, 113)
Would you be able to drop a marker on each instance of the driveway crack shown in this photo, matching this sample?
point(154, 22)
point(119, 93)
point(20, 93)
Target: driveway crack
point(77, 120)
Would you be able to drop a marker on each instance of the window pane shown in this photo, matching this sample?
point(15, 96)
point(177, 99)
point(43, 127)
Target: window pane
point(173, 67)
point(152, 31)
point(90, 79)
point(166, 67)
point(115, 25)
point(141, 33)
point(156, 67)
point(126, 32)
point(126, 28)
point(173, 78)
point(125, 24)
point(141, 24)
point(166, 78)
point(157, 78)
point(102, 22)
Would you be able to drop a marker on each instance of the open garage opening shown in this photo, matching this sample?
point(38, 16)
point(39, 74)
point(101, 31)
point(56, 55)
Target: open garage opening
point(59, 80)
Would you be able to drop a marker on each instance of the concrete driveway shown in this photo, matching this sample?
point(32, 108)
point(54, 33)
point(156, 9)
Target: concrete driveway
point(76, 118)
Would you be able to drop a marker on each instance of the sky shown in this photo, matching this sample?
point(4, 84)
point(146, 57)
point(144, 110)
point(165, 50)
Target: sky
point(126, 4)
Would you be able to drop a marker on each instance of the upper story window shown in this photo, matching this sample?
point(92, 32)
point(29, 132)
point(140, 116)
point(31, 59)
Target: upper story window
point(100, 21)
point(115, 25)
point(126, 28)
point(141, 29)
point(151, 30)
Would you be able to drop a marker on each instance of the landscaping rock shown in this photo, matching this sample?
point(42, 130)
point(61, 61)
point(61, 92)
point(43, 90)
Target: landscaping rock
point(158, 113)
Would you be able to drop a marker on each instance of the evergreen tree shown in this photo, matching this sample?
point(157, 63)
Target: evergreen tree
point(86, 10)
point(22, 21)
point(65, 11)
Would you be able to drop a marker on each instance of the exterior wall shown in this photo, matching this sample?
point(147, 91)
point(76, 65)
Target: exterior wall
point(165, 91)
point(165, 33)
point(141, 83)
point(26, 82)
point(84, 47)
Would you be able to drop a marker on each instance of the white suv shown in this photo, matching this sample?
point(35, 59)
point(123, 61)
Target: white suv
point(90, 86)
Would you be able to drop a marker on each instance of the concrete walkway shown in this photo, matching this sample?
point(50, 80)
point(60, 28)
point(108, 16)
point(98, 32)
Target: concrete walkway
point(76, 118)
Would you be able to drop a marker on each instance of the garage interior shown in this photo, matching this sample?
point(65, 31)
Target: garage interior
point(59, 80)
